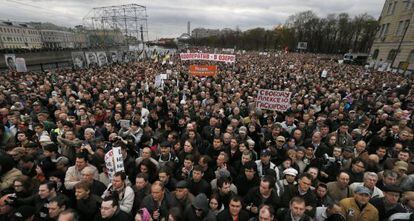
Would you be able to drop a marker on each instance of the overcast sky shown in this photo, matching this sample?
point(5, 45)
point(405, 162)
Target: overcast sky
point(169, 18)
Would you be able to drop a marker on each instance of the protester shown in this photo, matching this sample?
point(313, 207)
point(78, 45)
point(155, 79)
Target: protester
point(352, 130)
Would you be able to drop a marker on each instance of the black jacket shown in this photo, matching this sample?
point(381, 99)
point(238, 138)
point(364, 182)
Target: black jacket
point(256, 199)
point(284, 215)
point(309, 197)
point(88, 208)
point(200, 202)
point(225, 216)
point(118, 216)
point(97, 188)
point(385, 212)
point(139, 196)
point(167, 203)
point(243, 185)
point(200, 187)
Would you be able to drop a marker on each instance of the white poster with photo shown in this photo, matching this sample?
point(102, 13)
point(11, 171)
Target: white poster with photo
point(114, 161)
point(79, 60)
point(324, 74)
point(10, 61)
point(158, 81)
point(113, 57)
point(91, 59)
point(102, 60)
point(21, 65)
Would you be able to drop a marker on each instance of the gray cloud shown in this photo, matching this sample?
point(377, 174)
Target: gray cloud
point(169, 18)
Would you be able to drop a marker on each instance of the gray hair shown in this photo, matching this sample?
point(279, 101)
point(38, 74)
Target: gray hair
point(370, 174)
point(390, 173)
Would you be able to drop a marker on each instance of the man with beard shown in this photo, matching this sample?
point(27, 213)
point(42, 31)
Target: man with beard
point(296, 211)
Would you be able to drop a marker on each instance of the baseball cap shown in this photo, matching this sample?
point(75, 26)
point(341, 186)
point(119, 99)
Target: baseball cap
point(363, 190)
point(401, 165)
point(181, 184)
point(348, 149)
point(392, 188)
point(265, 152)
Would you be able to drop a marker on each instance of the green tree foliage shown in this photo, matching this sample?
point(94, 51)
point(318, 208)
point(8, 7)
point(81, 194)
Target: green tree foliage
point(332, 34)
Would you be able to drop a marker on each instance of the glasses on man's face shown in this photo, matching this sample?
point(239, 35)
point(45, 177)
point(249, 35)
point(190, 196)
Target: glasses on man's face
point(360, 166)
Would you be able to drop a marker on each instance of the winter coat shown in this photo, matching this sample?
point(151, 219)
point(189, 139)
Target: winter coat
point(199, 202)
point(8, 173)
point(353, 213)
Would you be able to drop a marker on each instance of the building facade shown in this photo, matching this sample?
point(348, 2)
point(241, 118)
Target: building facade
point(54, 39)
point(15, 35)
point(393, 46)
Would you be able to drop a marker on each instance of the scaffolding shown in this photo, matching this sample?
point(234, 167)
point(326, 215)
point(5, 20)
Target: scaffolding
point(129, 19)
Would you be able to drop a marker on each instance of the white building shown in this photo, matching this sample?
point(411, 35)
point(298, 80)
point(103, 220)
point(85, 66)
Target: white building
point(57, 39)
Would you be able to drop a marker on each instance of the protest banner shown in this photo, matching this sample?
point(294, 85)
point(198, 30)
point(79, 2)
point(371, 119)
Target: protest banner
point(21, 65)
point(208, 57)
point(203, 70)
point(273, 100)
point(102, 59)
point(114, 161)
point(10, 61)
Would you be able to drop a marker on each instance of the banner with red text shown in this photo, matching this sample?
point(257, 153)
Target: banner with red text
point(208, 57)
point(273, 100)
point(203, 70)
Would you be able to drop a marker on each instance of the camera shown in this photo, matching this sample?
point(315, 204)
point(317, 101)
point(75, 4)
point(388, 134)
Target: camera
point(328, 158)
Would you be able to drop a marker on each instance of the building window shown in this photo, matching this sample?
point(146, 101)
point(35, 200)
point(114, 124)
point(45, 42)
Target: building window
point(391, 55)
point(385, 31)
point(411, 57)
point(408, 4)
point(391, 8)
point(406, 24)
point(400, 28)
point(375, 54)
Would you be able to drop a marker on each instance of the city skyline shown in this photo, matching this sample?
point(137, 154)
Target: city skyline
point(170, 20)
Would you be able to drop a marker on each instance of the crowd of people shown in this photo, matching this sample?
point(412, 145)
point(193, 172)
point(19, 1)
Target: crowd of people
point(198, 148)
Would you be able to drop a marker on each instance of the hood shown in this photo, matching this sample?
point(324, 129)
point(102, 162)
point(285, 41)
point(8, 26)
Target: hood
point(201, 202)
point(6, 162)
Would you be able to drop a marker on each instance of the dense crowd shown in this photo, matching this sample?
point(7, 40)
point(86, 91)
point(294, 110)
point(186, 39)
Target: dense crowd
point(199, 149)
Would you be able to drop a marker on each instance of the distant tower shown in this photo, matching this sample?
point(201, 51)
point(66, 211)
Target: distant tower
point(188, 28)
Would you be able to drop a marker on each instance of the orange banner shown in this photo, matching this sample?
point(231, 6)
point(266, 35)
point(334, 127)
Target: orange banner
point(203, 70)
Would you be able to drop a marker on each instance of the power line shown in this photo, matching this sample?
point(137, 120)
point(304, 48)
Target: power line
point(46, 10)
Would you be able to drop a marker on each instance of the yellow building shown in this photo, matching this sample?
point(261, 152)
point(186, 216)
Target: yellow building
point(14, 35)
point(393, 46)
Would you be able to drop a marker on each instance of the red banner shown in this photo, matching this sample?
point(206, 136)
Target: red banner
point(203, 70)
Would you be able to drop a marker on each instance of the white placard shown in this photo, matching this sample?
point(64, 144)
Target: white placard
point(273, 100)
point(114, 161)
